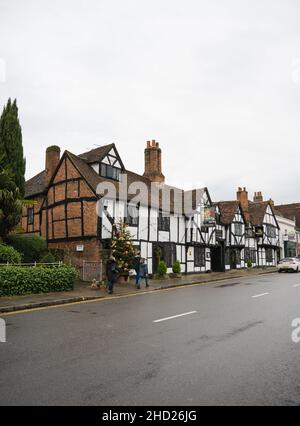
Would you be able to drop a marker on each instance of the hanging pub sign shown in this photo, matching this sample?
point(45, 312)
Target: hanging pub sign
point(209, 216)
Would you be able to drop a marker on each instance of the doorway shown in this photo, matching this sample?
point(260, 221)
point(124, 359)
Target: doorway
point(217, 258)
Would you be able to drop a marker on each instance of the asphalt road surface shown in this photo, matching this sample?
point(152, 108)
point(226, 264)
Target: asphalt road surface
point(233, 345)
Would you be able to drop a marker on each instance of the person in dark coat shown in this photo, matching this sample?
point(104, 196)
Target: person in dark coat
point(111, 273)
point(143, 272)
point(136, 266)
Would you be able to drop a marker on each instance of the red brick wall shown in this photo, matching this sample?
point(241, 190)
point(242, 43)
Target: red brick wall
point(91, 251)
point(35, 227)
point(75, 219)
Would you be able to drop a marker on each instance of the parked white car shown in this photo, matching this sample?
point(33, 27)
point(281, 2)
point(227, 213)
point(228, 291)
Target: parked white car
point(289, 264)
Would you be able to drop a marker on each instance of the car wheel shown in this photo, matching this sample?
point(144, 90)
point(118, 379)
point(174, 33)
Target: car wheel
point(279, 271)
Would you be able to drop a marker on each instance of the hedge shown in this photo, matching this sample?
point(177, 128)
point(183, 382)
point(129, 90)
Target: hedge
point(16, 280)
point(32, 247)
point(9, 254)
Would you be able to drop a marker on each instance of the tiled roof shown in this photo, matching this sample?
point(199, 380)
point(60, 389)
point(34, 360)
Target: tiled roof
point(228, 210)
point(35, 185)
point(96, 154)
point(257, 212)
point(290, 211)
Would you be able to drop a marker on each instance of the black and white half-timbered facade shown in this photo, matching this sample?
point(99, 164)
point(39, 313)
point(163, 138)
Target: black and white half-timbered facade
point(79, 198)
point(251, 229)
point(265, 230)
point(233, 221)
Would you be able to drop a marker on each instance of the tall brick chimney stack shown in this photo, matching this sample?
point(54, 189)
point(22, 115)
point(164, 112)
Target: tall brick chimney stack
point(52, 160)
point(153, 162)
point(258, 197)
point(242, 197)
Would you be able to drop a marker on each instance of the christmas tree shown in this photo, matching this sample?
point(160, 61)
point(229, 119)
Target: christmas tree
point(122, 247)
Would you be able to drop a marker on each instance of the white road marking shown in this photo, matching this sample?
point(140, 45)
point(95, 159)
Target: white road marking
point(296, 285)
point(259, 295)
point(175, 316)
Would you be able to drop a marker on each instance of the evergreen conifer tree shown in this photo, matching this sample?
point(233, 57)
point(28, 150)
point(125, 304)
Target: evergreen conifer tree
point(11, 148)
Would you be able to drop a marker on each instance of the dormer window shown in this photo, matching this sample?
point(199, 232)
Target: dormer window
point(110, 172)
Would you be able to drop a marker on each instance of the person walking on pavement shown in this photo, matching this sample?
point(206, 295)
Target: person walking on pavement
point(143, 272)
point(136, 266)
point(111, 273)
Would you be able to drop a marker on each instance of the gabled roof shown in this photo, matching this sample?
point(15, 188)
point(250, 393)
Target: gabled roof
point(228, 209)
point(36, 185)
point(257, 212)
point(96, 154)
point(82, 163)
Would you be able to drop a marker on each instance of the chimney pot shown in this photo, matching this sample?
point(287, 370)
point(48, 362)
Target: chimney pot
point(258, 197)
point(153, 162)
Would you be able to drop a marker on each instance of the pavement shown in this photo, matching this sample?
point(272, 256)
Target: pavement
point(224, 343)
point(82, 290)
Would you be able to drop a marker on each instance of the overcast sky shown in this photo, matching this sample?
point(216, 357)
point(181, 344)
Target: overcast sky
point(217, 83)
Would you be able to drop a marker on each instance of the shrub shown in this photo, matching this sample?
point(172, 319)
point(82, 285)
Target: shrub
point(176, 267)
point(9, 254)
point(16, 280)
point(32, 247)
point(58, 254)
point(48, 258)
point(249, 264)
point(162, 268)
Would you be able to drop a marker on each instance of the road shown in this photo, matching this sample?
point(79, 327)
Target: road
point(233, 345)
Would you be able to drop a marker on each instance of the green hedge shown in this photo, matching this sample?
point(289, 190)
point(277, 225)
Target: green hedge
point(32, 247)
point(16, 280)
point(9, 254)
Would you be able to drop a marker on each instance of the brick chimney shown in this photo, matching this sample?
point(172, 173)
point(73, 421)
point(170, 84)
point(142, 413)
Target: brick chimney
point(242, 197)
point(153, 162)
point(271, 202)
point(52, 160)
point(258, 197)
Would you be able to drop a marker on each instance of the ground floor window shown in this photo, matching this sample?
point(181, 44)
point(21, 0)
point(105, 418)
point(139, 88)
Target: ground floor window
point(169, 254)
point(269, 255)
point(199, 256)
point(30, 215)
point(250, 254)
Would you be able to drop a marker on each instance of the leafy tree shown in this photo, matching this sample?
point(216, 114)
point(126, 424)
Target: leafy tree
point(122, 247)
point(11, 148)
